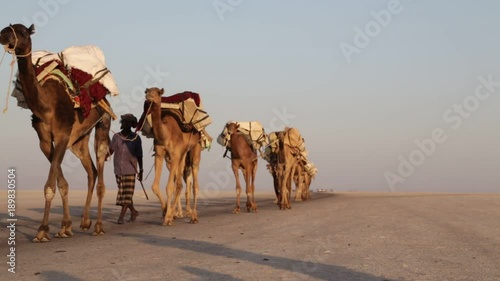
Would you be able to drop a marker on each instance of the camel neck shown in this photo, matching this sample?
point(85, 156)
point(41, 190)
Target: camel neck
point(29, 84)
point(158, 128)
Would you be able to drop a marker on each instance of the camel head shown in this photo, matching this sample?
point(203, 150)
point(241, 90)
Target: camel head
point(154, 95)
point(17, 38)
point(232, 127)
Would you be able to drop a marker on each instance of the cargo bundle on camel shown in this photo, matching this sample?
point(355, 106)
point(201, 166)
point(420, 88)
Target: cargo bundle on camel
point(253, 132)
point(82, 69)
point(187, 109)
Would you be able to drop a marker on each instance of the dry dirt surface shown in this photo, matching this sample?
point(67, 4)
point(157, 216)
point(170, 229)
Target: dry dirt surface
point(333, 236)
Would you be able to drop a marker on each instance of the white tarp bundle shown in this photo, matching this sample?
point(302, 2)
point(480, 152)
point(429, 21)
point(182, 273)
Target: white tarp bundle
point(310, 168)
point(252, 129)
point(292, 138)
point(88, 58)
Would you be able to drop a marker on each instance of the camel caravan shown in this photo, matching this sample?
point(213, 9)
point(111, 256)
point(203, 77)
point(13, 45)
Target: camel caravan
point(67, 95)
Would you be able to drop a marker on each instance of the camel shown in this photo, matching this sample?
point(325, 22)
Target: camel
point(244, 157)
point(284, 168)
point(176, 147)
point(302, 181)
point(59, 126)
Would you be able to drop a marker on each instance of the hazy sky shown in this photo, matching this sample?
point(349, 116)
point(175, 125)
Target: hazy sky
point(389, 95)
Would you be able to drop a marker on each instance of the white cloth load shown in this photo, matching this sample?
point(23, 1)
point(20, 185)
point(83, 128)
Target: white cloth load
point(252, 129)
point(310, 168)
point(88, 58)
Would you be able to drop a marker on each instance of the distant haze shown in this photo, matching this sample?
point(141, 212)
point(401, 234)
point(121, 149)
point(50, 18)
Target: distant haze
point(389, 95)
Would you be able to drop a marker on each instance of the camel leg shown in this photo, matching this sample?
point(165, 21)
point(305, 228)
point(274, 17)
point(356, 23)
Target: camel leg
point(81, 151)
point(246, 176)
point(178, 190)
point(174, 168)
point(285, 188)
point(298, 184)
point(288, 175)
point(55, 172)
point(276, 185)
point(254, 173)
point(159, 156)
point(196, 158)
point(101, 147)
point(249, 181)
point(48, 150)
point(305, 191)
point(188, 179)
point(235, 167)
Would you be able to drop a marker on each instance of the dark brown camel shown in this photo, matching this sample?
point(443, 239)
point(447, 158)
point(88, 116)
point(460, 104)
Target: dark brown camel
point(173, 145)
point(244, 157)
point(59, 126)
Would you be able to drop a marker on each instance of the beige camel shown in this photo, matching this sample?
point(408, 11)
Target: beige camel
point(173, 145)
point(59, 126)
point(302, 180)
point(244, 157)
point(285, 163)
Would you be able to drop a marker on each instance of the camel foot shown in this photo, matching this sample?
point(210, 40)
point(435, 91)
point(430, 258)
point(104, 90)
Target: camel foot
point(189, 212)
point(194, 220)
point(98, 230)
point(42, 234)
point(85, 224)
point(64, 234)
point(168, 222)
point(41, 237)
point(179, 215)
point(236, 211)
point(298, 199)
point(37, 240)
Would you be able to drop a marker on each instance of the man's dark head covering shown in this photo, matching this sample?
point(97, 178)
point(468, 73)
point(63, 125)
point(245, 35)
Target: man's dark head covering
point(129, 119)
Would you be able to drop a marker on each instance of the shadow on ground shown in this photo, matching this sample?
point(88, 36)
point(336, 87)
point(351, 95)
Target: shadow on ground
point(315, 270)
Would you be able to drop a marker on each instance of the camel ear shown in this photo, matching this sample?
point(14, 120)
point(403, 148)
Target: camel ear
point(31, 29)
point(162, 91)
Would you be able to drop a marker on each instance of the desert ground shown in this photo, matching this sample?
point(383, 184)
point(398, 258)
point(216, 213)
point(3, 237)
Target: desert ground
point(333, 236)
